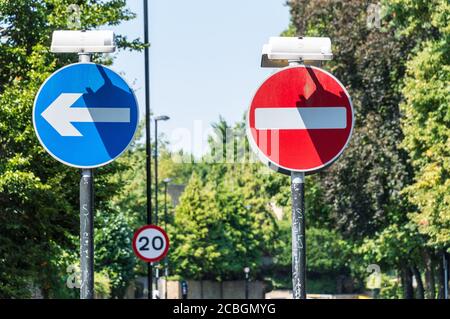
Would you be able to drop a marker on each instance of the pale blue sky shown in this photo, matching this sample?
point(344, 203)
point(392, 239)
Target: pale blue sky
point(204, 57)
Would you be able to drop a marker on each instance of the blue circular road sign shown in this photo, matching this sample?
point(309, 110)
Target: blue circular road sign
point(85, 115)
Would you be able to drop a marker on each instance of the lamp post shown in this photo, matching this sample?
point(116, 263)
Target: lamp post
point(166, 182)
point(147, 144)
point(157, 118)
point(246, 271)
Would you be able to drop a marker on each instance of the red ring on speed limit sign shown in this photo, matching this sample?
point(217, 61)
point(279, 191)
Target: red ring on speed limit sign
point(151, 249)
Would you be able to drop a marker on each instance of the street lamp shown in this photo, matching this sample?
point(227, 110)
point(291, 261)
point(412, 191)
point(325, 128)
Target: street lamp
point(148, 155)
point(166, 182)
point(246, 271)
point(157, 118)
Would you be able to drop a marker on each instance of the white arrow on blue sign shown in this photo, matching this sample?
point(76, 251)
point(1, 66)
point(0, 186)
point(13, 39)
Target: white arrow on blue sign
point(85, 115)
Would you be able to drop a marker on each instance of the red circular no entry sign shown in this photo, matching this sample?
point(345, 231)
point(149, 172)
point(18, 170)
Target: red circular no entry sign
point(300, 119)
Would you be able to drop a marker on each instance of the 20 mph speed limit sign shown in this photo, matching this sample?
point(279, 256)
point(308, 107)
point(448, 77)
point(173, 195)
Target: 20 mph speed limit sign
point(150, 243)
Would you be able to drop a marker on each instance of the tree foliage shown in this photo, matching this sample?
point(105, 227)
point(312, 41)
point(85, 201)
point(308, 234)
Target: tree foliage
point(220, 226)
point(364, 185)
point(38, 196)
point(426, 118)
point(114, 255)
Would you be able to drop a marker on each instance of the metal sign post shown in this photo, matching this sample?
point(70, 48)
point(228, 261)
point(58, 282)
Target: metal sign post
point(87, 234)
point(298, 230)
point(86, 223)
point(298, 235)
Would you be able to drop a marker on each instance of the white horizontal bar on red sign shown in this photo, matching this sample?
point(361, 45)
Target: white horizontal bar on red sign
point(300, 118)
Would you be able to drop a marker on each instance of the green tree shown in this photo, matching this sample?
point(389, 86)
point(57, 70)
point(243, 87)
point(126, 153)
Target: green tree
point(113, 250)
point(194, 250)
point(426, 118)
point(426, 126)
point(221, 227)
point(224, 222)
point(364, 185)
point(38, 196)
